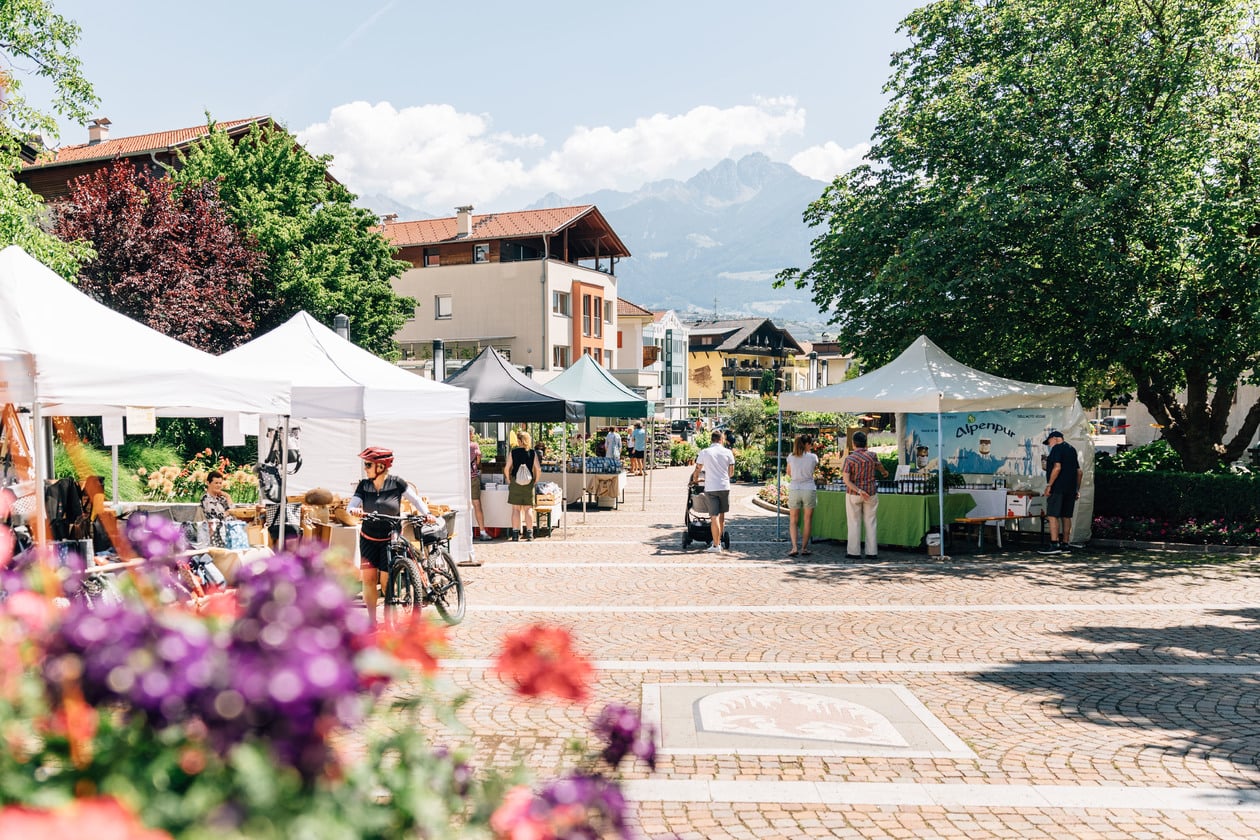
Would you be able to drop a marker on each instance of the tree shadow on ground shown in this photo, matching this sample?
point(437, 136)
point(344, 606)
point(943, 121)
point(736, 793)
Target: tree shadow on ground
point(1198, 715)
point(1115, 572)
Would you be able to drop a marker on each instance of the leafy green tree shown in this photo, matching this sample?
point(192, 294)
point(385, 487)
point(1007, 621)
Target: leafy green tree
point(1064, 191)
point(36, 42)
point(747, 419)
point(323, 254)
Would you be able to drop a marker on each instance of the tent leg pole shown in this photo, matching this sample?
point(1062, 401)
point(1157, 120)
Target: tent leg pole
point(778, 481)
point(564, 477)
point(113, 460)
point(284, 484)
point(940, 478)
point(38, 442)
point(586, 445)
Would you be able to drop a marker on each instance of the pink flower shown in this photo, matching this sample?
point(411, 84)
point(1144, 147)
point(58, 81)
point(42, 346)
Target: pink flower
point(513, 821)
point(102, 818)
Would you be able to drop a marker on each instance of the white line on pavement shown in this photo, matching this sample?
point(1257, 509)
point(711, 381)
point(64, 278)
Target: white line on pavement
point(894, 667)
point(854, 608)
point(935, 795)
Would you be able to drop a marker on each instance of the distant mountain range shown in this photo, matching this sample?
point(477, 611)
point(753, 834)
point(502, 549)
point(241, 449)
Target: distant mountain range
point(712, 243)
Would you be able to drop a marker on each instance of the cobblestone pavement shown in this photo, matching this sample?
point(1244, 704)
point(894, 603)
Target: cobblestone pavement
point(1096, 696)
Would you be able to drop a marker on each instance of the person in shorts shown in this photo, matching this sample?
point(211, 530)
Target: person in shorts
point(1063, 488)
point(638, 449)
point(378, 492)
point(718, 464)
point(802, 491)
point(474, 470)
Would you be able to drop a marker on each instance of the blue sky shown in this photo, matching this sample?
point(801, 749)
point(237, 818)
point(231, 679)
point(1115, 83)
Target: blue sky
point(441, 103)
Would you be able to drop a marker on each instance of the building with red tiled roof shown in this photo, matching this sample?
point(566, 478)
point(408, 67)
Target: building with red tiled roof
point(539, 285)
point(50, 172)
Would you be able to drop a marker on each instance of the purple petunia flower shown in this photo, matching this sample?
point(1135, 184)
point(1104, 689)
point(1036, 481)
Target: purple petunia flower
point(624, 731)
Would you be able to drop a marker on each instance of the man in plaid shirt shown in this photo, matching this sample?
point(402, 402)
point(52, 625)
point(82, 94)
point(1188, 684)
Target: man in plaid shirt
point(862, 497)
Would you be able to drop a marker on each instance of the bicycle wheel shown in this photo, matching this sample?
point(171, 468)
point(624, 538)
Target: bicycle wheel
point(447, 587)
point(402, 590)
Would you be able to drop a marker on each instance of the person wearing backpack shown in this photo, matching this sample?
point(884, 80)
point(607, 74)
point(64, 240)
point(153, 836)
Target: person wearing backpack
point(522, 473)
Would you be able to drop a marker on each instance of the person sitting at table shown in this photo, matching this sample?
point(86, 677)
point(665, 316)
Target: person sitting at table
point(215, 504)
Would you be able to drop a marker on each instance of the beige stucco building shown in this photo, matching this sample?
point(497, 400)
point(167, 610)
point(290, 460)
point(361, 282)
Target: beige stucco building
point(539, 285)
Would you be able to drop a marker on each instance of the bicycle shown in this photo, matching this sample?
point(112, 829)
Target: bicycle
point(423, 574)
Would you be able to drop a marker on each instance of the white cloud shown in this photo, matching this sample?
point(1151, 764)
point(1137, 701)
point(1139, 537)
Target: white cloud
point(436, 157)
point(827, 161)
point(747, 276)
point(658, 255)
point(700, 240)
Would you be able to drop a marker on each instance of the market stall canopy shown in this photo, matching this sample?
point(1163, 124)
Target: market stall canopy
point(17, 376)
point(924, 378)
point(335, 379)
point(590, 384)
point(499, 393)
point(91, 360)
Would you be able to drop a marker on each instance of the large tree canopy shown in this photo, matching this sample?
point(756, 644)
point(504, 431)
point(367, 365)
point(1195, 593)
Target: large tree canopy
point(323, 254)
point(170, 260)
point(1063, 191)
point(36, 42)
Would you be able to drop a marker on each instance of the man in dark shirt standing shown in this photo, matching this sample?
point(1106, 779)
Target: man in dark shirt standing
point(1063, 488)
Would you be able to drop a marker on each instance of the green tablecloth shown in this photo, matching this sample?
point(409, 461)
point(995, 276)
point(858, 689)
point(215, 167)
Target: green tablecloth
point(900, 520)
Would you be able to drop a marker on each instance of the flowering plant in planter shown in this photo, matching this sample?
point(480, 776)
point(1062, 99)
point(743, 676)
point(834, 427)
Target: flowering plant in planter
point(228, 717)
point(1191, 531)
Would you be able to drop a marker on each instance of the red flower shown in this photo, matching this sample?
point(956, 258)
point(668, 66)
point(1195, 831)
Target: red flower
point(103, 818)
point(418, 640)
point(540, 660)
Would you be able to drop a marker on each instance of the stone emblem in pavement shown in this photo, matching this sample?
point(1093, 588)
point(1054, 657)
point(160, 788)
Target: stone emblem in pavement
point(791, 713)
point(791, 719)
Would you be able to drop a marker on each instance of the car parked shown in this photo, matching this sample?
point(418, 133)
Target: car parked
point(1113, 425)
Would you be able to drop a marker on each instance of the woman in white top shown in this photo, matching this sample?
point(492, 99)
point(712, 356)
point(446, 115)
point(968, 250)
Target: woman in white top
point(802, 491)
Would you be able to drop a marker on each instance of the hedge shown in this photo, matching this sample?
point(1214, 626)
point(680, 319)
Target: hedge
point(1177, 496)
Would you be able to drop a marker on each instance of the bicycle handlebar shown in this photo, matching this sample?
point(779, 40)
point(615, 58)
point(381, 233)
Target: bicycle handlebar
point(401, 519)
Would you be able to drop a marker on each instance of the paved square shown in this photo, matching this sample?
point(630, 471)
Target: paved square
point(794, 720)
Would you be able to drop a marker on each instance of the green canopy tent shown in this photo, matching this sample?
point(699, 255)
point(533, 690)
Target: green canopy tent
point(588, 383)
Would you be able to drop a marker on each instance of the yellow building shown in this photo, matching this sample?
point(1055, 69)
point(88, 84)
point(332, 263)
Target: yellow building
point(730, 358)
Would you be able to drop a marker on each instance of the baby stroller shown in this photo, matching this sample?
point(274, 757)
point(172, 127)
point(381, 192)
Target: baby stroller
point(696, 520)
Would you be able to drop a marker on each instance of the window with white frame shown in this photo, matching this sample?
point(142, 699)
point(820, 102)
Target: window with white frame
point(441, 307)
point(559, 356)
point(560, 304)
point(586, 314)
point(597, 320)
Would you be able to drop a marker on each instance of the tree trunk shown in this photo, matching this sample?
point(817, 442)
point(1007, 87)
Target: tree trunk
point(1196, 428)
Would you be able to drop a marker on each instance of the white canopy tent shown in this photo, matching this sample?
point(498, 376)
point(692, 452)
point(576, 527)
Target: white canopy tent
point(924, 379)
point(85, 359)
point(346, 399)
point(92, 361)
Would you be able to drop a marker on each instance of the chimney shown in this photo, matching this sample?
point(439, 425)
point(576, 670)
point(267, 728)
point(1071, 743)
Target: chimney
point(463, 221)
point(98, 130)
point(389, 218)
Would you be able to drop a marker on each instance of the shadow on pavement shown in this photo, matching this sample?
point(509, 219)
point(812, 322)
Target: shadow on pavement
point(1200, 716)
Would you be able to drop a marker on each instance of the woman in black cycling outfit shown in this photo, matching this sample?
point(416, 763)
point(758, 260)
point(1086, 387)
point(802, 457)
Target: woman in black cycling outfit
point(378, 492)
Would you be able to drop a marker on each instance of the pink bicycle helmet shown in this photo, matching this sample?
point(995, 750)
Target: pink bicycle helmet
point(378, 455)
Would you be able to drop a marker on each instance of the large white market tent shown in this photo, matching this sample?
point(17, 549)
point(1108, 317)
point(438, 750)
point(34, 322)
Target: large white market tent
point(925, 379)
point(346, 398)
point(85, 359)
point(92, 361)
